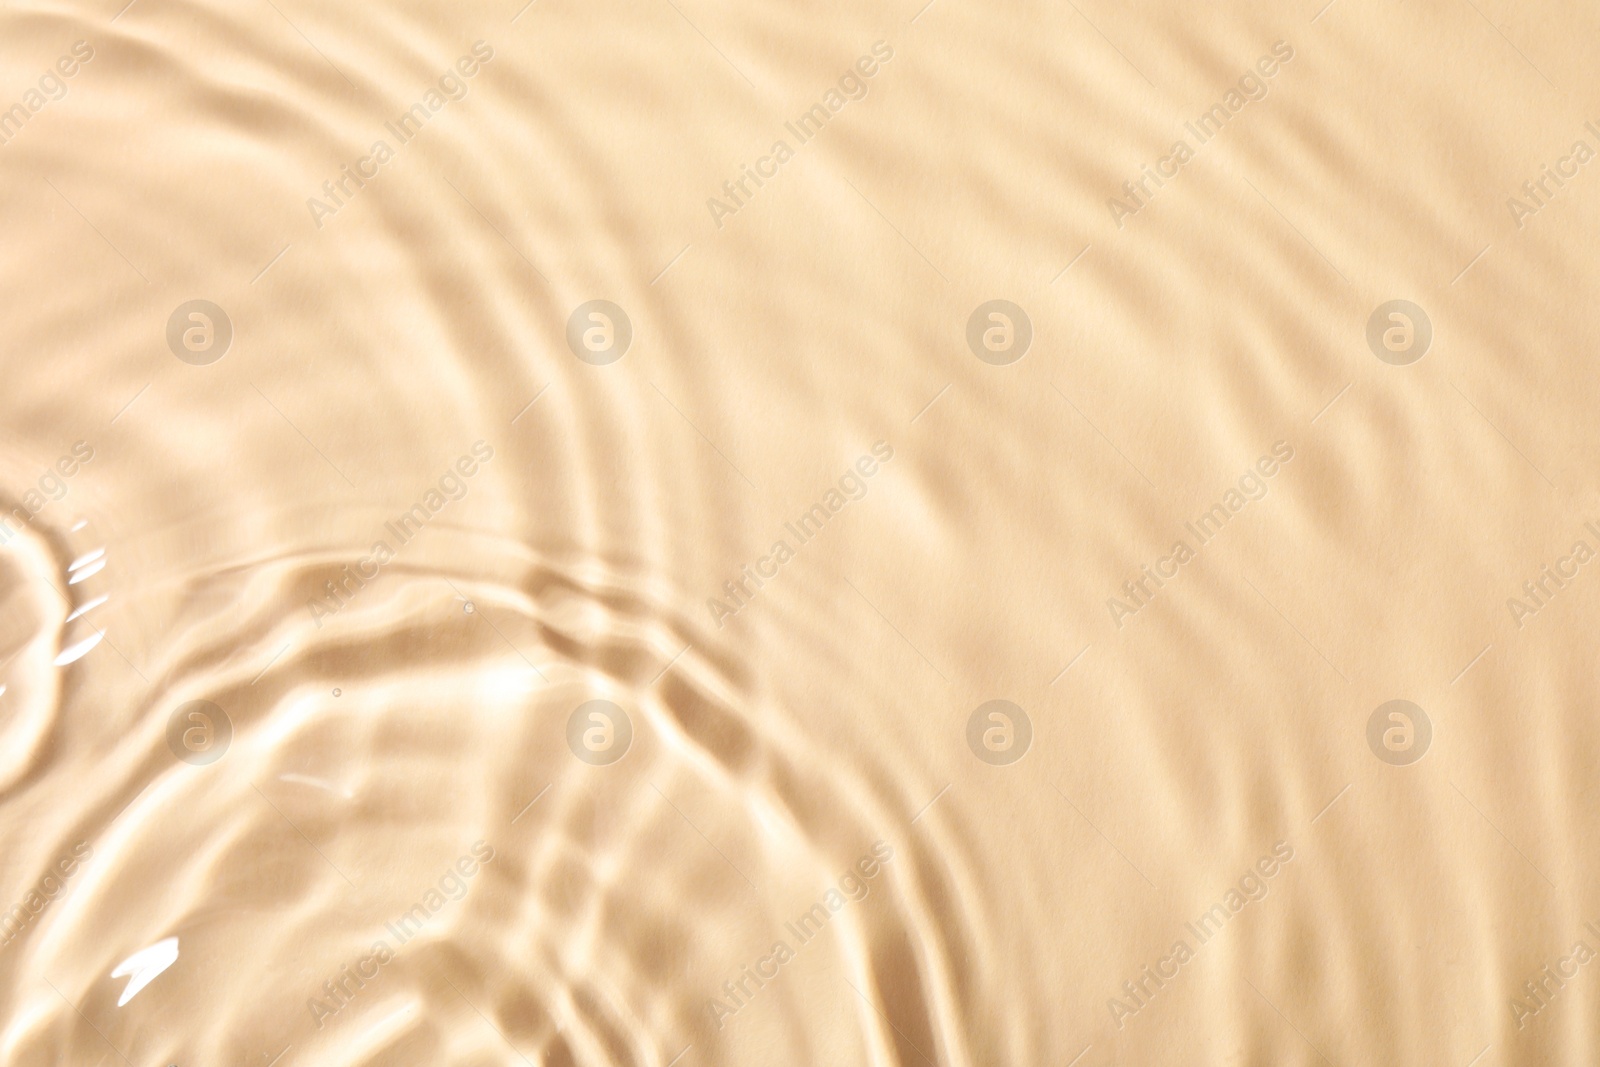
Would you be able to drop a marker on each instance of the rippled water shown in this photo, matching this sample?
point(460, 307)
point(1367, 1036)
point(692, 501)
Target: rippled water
point(648, 533)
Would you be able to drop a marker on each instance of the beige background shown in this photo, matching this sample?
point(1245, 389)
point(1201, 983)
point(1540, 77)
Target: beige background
point(371, 749)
